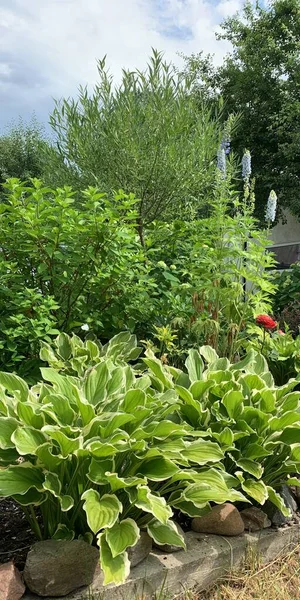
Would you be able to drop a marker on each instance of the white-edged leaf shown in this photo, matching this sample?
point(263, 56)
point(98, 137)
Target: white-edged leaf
point(165, 533)
point(124, 534)
point(116, 570)
point(101, 512)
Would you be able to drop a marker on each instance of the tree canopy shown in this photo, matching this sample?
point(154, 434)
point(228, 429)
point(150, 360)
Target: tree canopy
point(260, 80)
point(144, 135)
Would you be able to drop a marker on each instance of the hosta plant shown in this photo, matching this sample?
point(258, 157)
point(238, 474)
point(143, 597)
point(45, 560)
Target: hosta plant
point(103, 453)
point(255, 422)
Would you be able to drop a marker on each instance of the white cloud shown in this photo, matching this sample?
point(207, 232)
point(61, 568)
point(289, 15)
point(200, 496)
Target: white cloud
point(49, 47)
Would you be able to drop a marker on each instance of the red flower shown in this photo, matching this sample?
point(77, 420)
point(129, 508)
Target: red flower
point(281, 332)
point(266, 321)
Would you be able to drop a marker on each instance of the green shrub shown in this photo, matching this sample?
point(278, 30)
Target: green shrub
point(100, 454)
point(239, 406)
point(256, 423)
point(63, 264)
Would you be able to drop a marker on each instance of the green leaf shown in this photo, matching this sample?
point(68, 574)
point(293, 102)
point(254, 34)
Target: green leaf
point(63, 533)
point(165, 533)
point(203, 452)
point(154, 505)
point(46, 458)
point(158, 468)
point(156, 367)
point(210, 486)
point(121, 483)
point(278, 501)
point(86, 410)
point(194, 365)
point(18, 479)
point(256, 490)
point(61, 383)
point(233, 402)
point(198, 388)
point(116, 381)
point(64, 346)
point(95, 383)
point(67, 445)
point(14, 384)
point(27, 412)
point(122, 535)
point(7, 427)
point(250, 466)
point(291, 435)
point(63, 413)
point(53, 485)
point(98, 469)
point(280, 423)
point(27, 440)
point(101, 512)
point(133, 399)
point(209, 354)
point(116, 570)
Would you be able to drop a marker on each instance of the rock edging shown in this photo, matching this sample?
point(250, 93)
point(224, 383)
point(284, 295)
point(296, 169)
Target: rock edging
point(208, 557)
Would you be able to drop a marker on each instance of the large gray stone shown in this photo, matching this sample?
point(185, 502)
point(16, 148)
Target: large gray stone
point(56, 568)
point(141, 550)
point(223, 519)
point(11, 584)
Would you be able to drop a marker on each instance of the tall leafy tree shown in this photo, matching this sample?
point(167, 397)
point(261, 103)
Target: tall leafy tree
point(144, 136)
point(260, 80)
point(22, 151)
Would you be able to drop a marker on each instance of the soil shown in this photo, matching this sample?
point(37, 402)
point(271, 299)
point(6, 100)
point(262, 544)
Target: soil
point(16, 536)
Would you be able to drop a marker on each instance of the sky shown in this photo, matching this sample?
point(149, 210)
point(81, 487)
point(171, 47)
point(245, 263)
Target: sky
point(50, 47)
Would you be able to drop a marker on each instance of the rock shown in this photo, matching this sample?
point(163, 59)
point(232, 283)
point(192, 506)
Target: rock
point(255, 519)
point(140, 550)
point(169, 547)
point(56, 568)
point(276, 516)
point(295, 491)
point(223, 519)
point(288, 499)
point(11, 584)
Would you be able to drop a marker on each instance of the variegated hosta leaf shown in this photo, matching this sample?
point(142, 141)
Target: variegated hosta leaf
point(68, 445)
point(165, 533)
point(278, 501)
point(115, 570)
point(158, 468)
point(53, 485)
point(101, 512)
point(19, 479)
point(155, 505)
point(7, 427)
point(27, 440)
point(63, 533)
point(194, 365)
point(256, 490)
point(203, 452)
point(15, 385)
point(124, 534)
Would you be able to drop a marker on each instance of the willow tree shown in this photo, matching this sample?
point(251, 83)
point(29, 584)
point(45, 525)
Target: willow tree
point(145, 135)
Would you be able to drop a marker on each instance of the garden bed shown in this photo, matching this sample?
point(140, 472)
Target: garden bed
point(207, 559)
point(16, 535)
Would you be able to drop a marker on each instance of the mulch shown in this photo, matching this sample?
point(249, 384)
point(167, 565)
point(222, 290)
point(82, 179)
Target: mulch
point(16, 536)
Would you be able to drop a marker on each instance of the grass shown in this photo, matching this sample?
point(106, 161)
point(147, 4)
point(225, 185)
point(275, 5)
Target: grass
point(278, 580)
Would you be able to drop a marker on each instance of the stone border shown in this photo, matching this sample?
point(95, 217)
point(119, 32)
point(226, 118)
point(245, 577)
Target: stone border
point(207, 559)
